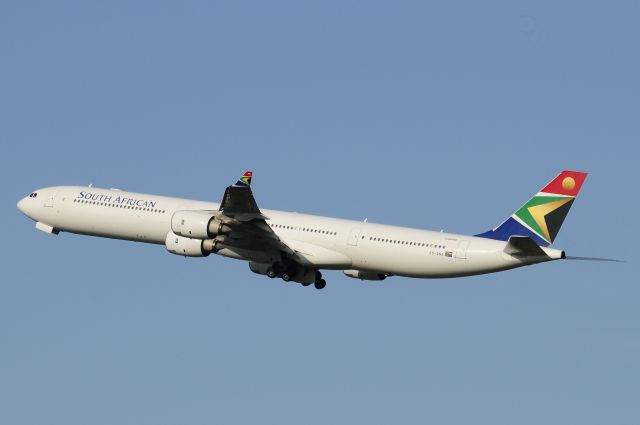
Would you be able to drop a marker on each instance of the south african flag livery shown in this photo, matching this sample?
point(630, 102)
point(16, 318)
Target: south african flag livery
point(541, 217)
point(245, 180)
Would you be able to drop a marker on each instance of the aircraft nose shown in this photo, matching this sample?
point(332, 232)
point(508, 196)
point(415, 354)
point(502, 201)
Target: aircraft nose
point(22, 205)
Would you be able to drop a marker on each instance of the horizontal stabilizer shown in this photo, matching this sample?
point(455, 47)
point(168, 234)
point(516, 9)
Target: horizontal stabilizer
point(524, 246)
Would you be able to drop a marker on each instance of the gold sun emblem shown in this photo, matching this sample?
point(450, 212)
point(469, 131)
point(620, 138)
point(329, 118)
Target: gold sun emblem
point(568, 183)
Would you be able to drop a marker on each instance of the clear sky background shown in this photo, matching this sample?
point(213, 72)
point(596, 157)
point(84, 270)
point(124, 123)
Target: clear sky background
point(441, 115)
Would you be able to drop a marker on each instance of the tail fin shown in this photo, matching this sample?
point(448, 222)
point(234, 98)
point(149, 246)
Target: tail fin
point(541, 217)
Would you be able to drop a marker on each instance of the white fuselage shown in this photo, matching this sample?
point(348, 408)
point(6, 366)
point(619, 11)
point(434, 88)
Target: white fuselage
point(327, 243)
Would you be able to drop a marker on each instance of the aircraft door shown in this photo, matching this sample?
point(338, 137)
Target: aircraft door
point(461, 252)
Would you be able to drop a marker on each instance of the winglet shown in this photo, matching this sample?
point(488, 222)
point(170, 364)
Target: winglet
point(245, 180)
point(238, 201)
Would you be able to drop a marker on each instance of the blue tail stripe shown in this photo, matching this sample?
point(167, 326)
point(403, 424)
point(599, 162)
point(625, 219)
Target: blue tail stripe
point(509, 228)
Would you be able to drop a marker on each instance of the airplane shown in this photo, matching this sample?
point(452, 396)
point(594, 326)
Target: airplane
point(297, 247)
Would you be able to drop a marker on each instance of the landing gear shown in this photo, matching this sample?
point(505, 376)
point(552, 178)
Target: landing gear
point(291, 272)
point(272, 272)
point(319, 282)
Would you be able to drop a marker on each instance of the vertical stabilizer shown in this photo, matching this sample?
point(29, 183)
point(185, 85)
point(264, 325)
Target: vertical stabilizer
point(541, 217)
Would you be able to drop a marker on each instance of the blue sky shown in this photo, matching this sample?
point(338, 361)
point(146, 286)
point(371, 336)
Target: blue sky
point(441, 115)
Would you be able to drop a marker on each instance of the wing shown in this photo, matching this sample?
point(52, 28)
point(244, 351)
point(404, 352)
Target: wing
point(250, 230)
point(238, 201)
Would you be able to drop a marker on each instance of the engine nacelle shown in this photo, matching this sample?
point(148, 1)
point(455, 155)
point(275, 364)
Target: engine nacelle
point(365, 275)
point(197, 224)
point(188, 247)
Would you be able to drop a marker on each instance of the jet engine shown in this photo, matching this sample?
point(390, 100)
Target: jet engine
point(365, 274)
point(188, 247)
point(197, 224)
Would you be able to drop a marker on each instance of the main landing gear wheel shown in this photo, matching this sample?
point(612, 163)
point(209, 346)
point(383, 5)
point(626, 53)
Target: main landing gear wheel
point(286, 277)
point(320, 282)
point(272, 273)
point(306, 283)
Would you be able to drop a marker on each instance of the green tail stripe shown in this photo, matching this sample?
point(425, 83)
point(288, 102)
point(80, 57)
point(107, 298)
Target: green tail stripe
point(524, 214)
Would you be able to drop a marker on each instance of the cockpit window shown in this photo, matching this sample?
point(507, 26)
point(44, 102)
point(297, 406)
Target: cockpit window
point(33, 195)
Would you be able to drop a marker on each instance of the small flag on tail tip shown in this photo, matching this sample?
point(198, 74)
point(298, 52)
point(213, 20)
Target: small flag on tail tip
point(245, 180)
